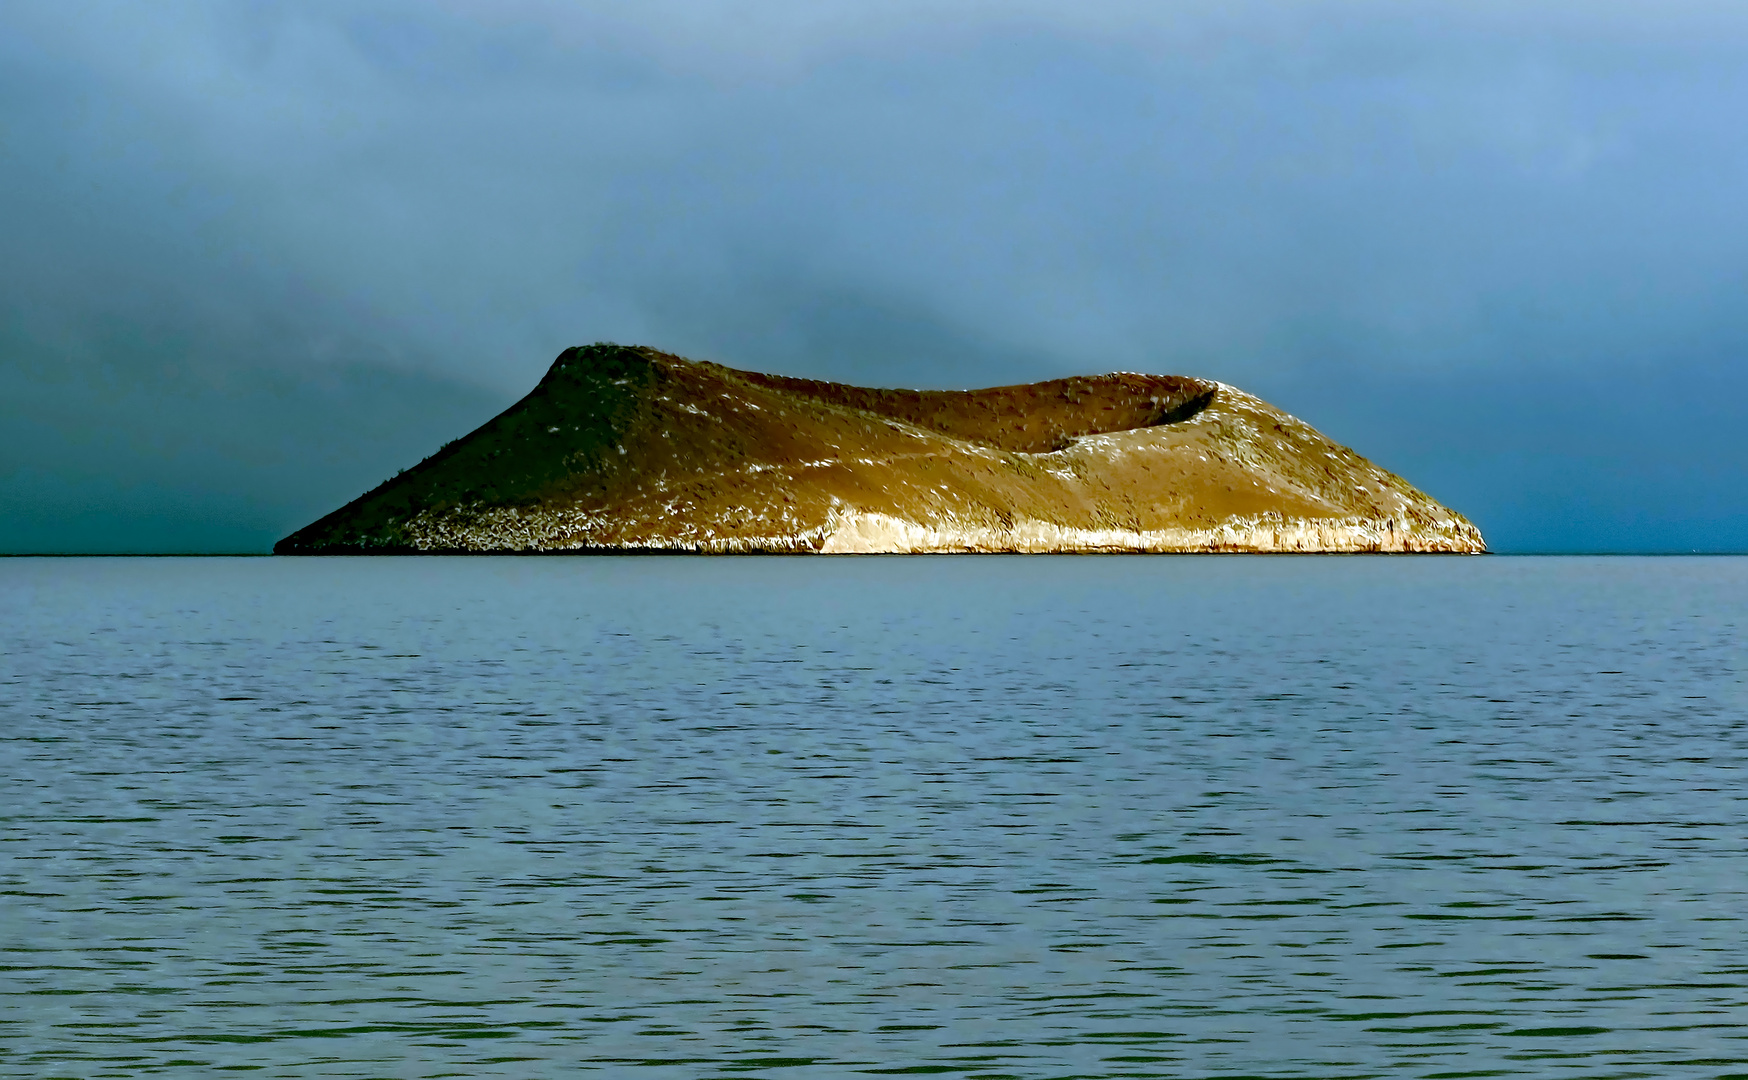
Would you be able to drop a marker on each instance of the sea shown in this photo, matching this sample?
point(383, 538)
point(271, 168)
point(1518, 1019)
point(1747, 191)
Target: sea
point(981, 817)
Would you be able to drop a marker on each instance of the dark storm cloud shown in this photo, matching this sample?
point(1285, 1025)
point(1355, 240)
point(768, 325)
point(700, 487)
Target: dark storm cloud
point(265, 254)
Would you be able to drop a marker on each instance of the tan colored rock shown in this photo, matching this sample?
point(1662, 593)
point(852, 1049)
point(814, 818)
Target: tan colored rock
point(629, 449)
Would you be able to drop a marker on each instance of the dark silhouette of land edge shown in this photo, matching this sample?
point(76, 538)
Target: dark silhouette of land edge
point(627, 449)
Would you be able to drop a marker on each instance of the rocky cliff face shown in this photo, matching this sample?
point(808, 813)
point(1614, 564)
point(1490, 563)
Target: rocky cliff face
point(630, 449)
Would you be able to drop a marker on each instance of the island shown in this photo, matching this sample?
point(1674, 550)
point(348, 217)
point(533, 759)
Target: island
point(628, 449)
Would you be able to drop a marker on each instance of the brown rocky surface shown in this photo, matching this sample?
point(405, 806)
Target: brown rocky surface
point(630, 449)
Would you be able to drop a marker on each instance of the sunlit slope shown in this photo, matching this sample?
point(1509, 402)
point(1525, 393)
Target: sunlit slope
point(632, 449)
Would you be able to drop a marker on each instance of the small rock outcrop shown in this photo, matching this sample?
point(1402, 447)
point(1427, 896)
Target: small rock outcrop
point(629, 449)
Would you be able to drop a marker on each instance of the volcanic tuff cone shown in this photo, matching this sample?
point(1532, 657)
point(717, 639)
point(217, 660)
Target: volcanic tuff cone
point(626, 449)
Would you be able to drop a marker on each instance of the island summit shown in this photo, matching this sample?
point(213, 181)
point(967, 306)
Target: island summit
point(626, 449)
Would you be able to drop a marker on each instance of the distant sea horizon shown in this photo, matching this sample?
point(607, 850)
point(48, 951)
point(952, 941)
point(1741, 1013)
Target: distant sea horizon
point(1525, 553)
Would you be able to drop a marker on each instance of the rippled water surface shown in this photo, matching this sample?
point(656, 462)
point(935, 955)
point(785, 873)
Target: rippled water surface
point(809, 818)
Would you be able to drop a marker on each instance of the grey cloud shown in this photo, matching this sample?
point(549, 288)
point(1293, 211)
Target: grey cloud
point(226, 208)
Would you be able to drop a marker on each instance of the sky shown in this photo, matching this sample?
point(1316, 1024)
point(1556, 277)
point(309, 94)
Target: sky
point(261, 255)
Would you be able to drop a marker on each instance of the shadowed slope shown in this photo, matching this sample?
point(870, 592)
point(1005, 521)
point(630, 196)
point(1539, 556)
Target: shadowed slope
point(632, 449)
